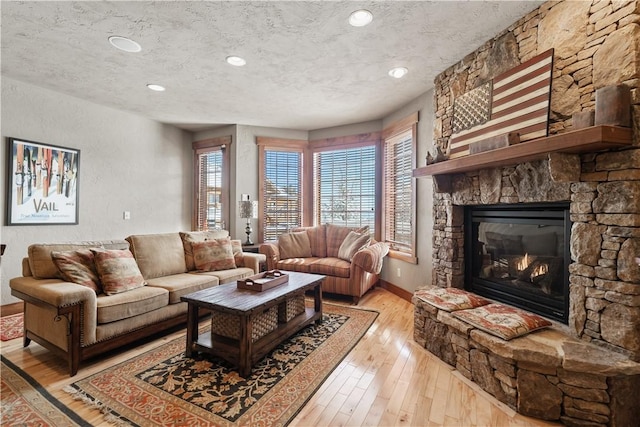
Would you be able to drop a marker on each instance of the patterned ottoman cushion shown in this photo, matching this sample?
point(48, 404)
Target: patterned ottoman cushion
point(503, 321)
point(451, 299)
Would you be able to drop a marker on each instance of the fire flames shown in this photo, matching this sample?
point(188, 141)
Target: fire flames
point(538, 270)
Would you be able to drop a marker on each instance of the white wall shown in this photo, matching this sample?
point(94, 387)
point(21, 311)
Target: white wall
point(126, 163)
point(413, 276)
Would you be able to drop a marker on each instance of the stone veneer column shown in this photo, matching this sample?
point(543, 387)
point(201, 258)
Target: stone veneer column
point(596, 43)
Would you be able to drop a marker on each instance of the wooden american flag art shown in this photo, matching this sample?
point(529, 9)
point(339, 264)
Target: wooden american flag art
point(519, 102)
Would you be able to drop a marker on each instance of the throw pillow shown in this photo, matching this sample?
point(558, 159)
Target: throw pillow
point(336, 235)
point(317, 239)
point(198, 236)
point(78, 267)
point(294, 245)
point(352, 244)
point(118, 270)
point(503, 321)
point(451, 299)
point(213, 255)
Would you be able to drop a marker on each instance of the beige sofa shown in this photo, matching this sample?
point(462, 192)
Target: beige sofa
point(351, 271)
point(77, 323)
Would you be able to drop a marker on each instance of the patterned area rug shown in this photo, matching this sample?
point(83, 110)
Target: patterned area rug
point(11, 327)
point(26, 403)
point(164, 388)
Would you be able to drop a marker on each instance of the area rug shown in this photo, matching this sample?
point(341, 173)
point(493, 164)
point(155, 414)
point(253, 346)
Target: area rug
point(25, 403)
point(162, 387)
point(11, 327)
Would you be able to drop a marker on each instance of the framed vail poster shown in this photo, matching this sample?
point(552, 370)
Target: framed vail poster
point(42, 183)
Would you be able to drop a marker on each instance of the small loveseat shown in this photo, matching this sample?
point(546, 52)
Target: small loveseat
point(82, 299)
point(345, 255)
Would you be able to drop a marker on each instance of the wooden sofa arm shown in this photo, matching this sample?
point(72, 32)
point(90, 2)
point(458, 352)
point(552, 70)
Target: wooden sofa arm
point(272, 253)
point(370, 258)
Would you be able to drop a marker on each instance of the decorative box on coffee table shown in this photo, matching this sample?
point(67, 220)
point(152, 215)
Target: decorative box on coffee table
point(247, 324)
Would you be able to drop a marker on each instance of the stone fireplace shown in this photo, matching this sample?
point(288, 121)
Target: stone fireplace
point(585, 370)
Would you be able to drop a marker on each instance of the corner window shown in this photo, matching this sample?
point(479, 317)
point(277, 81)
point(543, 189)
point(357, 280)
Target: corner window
point(399, 187)
point(281, 184)
point(211, 184)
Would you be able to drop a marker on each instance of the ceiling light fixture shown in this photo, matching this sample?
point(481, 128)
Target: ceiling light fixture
point(125, 44)
point(236, 60)
point(398, 72)
point(360, 18)
point(156, 88)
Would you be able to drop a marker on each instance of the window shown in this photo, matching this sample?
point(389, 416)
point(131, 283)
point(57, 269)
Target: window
point(345, 184)
point(399, 194)
point(211, 188)
point(281, 200)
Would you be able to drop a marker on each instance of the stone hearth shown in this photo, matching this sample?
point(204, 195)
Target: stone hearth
point(545, 374)
point(596, 44)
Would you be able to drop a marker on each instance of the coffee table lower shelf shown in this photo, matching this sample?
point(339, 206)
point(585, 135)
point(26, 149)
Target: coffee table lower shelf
point(230, 349)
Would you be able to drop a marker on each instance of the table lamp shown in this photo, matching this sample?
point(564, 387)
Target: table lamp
point(248, 210)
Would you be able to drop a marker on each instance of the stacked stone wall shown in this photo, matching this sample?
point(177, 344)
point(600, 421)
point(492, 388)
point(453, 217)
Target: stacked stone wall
point(596, 44)
point(544, 375)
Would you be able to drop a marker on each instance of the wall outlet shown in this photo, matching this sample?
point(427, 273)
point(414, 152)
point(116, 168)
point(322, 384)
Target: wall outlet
point(244, 197)
point(126, 215)
point(398, 272)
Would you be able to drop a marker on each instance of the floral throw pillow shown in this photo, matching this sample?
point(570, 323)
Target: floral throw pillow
point(118, 270)
point(503, 321)
point(213, 255)
point(78, 267)
point(451, 299)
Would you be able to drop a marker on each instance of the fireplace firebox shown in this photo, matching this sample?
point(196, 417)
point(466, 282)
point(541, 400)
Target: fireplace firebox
point(519, 255)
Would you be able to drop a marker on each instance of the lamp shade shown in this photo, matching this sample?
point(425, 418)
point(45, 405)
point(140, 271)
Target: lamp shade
point(248, 209)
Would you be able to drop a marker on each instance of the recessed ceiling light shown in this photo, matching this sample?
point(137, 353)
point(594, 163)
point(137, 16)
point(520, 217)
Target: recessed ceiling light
point(125, 44)
point(360, 18)
point(155, 87)
point(398, 72)
point(236, 60)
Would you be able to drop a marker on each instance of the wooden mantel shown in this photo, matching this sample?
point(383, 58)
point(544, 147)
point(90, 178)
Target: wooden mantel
point(587, 140)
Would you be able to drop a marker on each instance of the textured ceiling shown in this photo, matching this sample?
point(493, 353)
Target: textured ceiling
point(306, 67)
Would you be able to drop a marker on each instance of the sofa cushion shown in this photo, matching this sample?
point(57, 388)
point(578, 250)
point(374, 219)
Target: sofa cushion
point(317, 239)
point(78, 267)
point(336, 235)
point(182, 284)
point(189, 237)
point(128, 304)
point(117, 270)
point(301, 265)
point(158, 255)
point(352, 244)
point(294, 245)
point(228, 276)
point(331, 267)
point(213, 255)
point(43, 267)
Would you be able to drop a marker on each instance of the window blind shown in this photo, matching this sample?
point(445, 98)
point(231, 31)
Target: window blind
point(398, 190)
point(345, 183)
point(210, 188)
point(282, 192)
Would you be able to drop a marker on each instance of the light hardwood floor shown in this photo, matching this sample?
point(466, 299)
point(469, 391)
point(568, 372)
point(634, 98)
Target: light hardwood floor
point(386, 380)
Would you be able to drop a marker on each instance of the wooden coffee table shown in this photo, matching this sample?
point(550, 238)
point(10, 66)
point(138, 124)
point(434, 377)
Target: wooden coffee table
point(242, 309)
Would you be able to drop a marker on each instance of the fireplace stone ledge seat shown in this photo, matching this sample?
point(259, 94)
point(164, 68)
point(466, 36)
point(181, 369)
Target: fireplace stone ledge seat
point(547, 374)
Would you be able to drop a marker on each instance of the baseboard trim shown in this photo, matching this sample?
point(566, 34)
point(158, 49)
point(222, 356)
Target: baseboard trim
point(396, 290)
point(9, 309)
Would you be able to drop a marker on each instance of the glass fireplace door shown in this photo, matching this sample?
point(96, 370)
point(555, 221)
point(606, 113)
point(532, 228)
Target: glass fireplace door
point(519, 255)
